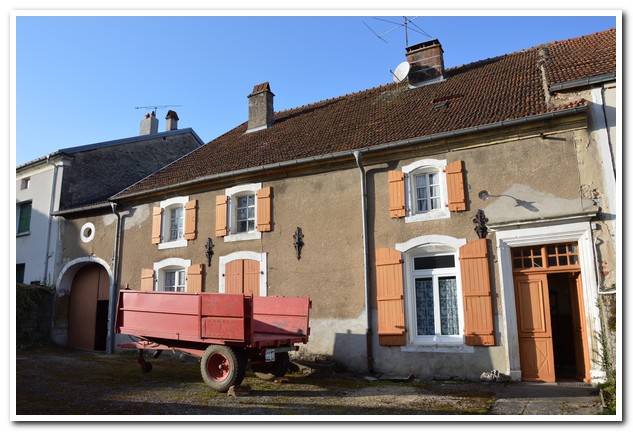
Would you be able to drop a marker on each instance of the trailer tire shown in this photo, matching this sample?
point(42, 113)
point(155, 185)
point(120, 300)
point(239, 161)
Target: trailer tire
point(278, 368)
point(222, 367)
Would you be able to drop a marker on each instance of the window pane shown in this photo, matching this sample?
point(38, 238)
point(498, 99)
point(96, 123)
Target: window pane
point(424, 306)
point(538, 262)
point(251, 200)
point(572, 248)
point(551, 249)
point(431, 262)
point(242, 201)
point(251, 212)
point(241, 214)
point(176, 226)
point(19, 273)
point(241, 226)
point(573, 260)
point(435, 203)
point(449, 316)
point(561, 249)
point(251, 225)
point(24, 223)
point(562, 260)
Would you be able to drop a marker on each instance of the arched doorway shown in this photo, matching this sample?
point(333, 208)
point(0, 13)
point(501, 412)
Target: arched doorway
point(88, 308)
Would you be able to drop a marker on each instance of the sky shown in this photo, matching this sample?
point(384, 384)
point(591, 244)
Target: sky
point(87, 79)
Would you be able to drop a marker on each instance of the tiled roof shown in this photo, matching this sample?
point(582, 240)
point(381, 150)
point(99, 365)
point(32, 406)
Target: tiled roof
point(580, 58)
point(486, 92)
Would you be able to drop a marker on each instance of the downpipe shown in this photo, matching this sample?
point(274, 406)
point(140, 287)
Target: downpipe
point(113, 286)
point(368, 333)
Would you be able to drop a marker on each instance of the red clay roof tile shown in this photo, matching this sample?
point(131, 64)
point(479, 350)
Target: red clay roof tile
point(489, 91)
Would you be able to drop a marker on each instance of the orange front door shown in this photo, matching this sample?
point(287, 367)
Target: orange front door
point(581, 350)
point(242, 277)
point(534, 328)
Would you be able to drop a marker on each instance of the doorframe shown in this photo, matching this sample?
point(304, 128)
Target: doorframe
point(64, 285)
point(579, 232)
point(262, 258)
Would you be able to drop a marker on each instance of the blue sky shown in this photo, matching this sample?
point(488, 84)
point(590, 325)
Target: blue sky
point(79, 79)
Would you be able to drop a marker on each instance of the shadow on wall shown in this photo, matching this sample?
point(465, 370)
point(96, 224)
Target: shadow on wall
point(350, 351)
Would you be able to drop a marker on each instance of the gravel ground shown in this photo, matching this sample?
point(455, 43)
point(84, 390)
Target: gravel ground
point(57, 381)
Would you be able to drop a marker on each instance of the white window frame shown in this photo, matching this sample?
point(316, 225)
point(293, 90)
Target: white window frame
point(169, 264)
point(233, 193)
point(419, 167)
point(431, 245)
point(245, 255)
point(167, 206)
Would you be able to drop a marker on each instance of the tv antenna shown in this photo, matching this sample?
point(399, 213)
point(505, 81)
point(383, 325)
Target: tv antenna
point(407, 23)
point(155, 107)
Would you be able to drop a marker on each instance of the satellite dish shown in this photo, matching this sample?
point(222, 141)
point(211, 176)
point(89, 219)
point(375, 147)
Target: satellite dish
point(401, 72)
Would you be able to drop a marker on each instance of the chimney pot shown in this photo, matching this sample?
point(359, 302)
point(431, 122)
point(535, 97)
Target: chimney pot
point(172, 120)
point(427, 63)
point(260, 107)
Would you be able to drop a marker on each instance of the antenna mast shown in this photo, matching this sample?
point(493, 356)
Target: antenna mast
point(156, 107)
point(406, 24)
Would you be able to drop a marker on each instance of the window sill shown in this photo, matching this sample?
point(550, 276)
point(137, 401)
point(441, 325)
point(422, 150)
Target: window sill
point(173, 244)
point(256, 235)
point(438, 348)
point(22, 234)
point(432, 215)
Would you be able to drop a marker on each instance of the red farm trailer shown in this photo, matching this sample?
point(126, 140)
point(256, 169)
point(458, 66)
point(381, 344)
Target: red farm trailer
point(226, 331)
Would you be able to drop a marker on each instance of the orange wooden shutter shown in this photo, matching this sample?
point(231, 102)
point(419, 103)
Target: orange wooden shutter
point(478, 320)
point(251, 277)
point(390, 296)
point(195, 278)
point(397, 207)
point(157, 219)
point(455, 184)
point(147, 280)
point(191, 219)
point(234, 277)
point(264, 209)
point(221, 207)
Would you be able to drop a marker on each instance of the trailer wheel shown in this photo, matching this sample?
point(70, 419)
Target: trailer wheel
point(222, 367)
point(278, 368)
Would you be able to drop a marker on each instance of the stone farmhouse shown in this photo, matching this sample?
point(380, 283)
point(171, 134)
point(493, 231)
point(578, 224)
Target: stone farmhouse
point(452, 222)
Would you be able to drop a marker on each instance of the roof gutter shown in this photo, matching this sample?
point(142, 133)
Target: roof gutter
point(372, 149)
point(583, 82)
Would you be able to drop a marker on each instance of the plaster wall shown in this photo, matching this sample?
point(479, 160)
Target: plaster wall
point(31, 248)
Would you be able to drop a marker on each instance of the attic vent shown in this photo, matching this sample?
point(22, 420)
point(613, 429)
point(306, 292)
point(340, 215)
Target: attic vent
point(444, 101)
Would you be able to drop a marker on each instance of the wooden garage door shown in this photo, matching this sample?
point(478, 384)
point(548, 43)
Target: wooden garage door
point(89, 296)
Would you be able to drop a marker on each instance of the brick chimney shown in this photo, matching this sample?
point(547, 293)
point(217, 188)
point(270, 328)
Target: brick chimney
point(149, 125)
point(260, 107)
point(172, 120)
point(427, 63)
